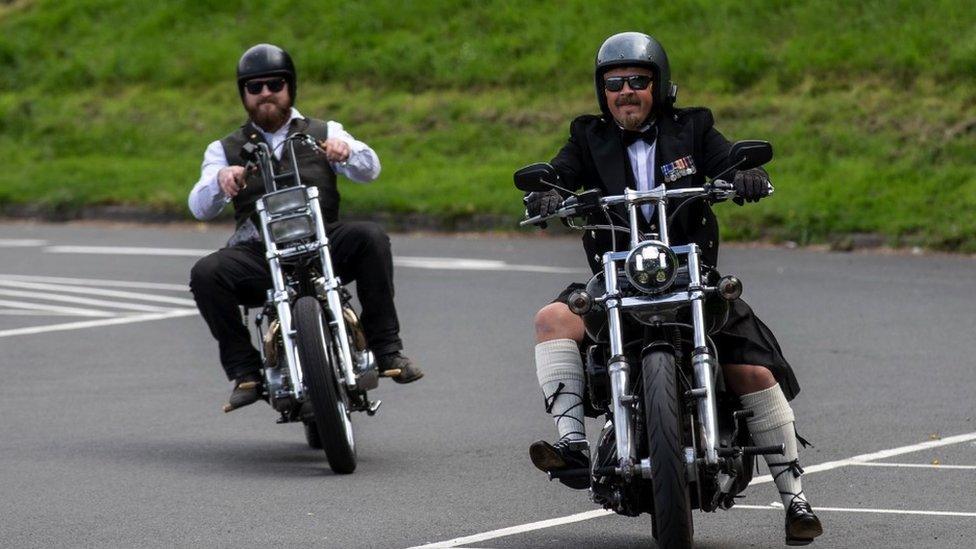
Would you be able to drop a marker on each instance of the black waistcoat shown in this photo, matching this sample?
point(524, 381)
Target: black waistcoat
point(312, 166)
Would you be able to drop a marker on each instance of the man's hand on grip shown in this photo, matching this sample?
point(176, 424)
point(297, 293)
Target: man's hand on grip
point(542, 203)
point(750, 186)
point(231, 180)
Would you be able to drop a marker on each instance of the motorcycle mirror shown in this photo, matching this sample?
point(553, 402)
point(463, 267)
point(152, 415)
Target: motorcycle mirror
point(745, 155)
point(540, 176)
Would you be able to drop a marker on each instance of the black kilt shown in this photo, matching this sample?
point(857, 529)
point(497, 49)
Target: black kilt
point(743, 339)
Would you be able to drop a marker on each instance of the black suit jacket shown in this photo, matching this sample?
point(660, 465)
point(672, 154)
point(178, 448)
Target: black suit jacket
point(595, 158)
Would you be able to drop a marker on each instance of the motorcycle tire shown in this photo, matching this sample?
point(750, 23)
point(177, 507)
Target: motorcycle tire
point(672, 503)
point(312, 435)
point(317, 356)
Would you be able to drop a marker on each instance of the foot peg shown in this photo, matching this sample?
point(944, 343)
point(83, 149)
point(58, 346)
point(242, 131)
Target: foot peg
point(392, 372)
point(372, 407)
point(569, 473)
point(736, 451)
point(779, 449)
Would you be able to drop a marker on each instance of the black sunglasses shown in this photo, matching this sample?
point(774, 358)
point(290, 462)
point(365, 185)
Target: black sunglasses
point(635, 81)
point(254, 87)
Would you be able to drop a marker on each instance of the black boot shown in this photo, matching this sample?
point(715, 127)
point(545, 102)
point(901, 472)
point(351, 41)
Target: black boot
point(564, 455)
point(802, 525)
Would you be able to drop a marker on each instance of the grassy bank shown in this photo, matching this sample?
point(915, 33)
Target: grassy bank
point(870, 106)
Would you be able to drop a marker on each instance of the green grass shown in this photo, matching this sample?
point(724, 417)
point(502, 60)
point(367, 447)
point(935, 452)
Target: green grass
point(869, 105)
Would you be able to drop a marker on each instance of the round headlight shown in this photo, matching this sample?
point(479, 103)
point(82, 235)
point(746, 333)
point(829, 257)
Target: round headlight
point(651, 267)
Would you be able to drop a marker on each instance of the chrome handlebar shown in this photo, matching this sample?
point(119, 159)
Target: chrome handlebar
point(718, 189)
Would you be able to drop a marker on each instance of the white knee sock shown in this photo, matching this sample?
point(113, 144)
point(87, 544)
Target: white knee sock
point(560, 369)
point(772, 424)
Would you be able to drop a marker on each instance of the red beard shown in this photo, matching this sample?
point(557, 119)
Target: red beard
point(270, 115)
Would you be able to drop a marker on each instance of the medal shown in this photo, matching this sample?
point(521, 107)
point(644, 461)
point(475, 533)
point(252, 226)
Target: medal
point(678, 169)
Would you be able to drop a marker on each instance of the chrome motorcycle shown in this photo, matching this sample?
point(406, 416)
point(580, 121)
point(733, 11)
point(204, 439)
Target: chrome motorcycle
point(316, 365)
point(674, 439)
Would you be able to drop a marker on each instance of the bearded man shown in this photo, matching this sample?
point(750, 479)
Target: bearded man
point(238, 274)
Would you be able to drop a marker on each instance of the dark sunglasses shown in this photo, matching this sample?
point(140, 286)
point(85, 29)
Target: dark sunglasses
point(254, 87)
point(635, 81)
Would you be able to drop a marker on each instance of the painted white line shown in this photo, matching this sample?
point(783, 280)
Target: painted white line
point(73, 311)
point(98, 282)
point(436, 263)
point(96, 291)
point(468, 264)
point(957, 439)
point(96, 323)
point(21, 242)
point(48, 296)
point(860, 510)
point(917, 465)
point(883, 454)
point(25, 312)
point(127, 250)
point(456, 542)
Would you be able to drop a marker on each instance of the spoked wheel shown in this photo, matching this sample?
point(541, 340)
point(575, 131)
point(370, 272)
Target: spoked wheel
point(672, 504)
point(317, 355)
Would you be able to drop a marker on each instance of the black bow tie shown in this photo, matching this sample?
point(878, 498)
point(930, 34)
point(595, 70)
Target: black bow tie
point(629, 136)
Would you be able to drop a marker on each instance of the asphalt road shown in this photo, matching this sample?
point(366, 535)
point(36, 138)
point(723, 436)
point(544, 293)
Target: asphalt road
point(111, 433)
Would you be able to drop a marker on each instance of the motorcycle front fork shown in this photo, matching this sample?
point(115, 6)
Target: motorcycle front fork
point(703, 364)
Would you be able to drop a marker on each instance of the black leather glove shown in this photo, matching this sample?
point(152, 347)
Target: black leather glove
point(750, 186)
point(542, 203)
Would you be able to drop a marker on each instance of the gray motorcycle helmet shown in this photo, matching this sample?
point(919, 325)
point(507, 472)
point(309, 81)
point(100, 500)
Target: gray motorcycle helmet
point(630, 49)
point(266, 60)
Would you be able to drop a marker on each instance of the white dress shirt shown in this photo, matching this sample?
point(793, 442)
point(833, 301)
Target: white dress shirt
point(207, 200)
point(641, 154)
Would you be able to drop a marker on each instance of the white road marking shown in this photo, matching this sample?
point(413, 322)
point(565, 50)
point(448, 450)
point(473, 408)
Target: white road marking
point(96, 323)
point(883, 454)
point(72, 311)
point(25, 312)
point(96, 291)
point(98, 282)
point(127, 250)
point(49, 296)
point(21, 243)
point(862, 510)
point(435, 263)
point(44, 290)
point(917, 465)
point(468, 264)
point(516, 529)
point(859, 459)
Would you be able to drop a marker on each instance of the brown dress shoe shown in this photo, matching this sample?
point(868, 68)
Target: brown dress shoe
point(399, 367)
point(247, 390)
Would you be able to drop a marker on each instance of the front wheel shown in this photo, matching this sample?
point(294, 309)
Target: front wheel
point(672, 504)
point(317, 356)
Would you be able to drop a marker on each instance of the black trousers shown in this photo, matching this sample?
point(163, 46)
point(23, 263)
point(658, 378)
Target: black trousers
point(239, 275)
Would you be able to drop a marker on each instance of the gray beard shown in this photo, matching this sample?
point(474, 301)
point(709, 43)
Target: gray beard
point(631, 122)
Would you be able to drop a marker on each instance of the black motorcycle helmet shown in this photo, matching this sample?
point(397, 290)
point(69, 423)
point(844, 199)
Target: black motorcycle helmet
point(630, 49)
point(266, 60)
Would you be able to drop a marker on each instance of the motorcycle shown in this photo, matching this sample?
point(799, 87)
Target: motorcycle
point(674, 439)
point(317, 367)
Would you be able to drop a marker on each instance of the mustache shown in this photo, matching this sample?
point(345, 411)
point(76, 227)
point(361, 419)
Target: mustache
point(627, 100)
